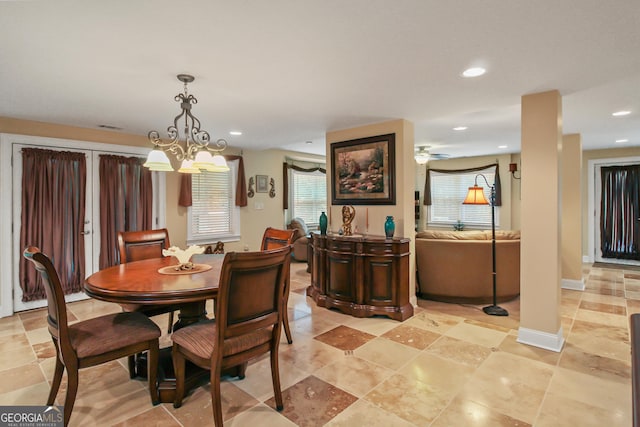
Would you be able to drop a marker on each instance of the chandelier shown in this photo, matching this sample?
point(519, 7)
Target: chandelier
point(194, 150)
point(421, 155)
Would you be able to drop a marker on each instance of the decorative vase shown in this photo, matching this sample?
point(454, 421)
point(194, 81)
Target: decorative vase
point(389, 227)
point(323, 223)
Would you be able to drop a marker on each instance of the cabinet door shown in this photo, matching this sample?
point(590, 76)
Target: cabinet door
point(341, 277)
point(380, 277)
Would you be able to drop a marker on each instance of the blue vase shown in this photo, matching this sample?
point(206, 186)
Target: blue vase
point(389, 227)
point(323, 223)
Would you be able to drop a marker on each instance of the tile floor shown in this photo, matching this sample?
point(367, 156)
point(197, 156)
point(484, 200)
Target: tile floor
point(448, 365)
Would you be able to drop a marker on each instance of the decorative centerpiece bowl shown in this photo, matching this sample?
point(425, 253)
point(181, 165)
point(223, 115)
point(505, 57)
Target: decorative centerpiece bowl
point(183, 256)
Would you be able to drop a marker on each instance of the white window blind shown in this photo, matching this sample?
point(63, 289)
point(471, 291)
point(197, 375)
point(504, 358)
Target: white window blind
point(448, 191)
point(213, 214)
point(308, 192)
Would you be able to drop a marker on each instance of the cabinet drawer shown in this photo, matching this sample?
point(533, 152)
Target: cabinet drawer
point(341, 246)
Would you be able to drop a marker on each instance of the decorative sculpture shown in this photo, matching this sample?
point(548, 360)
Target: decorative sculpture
point(348, 214)
point(183, 256)
point(272, 191)
point(251, 193)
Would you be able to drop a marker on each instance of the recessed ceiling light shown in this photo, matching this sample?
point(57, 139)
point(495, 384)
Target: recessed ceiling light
point(621, 113)
point(235, 132)
point(622, 140)
point(503, 146)
point(460, 128)
point(473, 72)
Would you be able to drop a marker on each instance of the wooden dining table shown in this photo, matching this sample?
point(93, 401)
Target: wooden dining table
point(157, 282)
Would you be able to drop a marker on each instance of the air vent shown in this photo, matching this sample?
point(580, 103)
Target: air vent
point(110, 127)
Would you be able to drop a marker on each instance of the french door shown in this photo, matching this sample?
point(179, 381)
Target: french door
point(91, 219)
point(617, 225)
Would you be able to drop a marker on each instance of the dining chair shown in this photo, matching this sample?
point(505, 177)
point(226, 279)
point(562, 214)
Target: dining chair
point(93, 341)
point(275, 238)
point(140, 245)
point(248, 316)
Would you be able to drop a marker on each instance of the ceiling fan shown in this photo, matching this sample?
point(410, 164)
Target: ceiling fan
point(423, 155)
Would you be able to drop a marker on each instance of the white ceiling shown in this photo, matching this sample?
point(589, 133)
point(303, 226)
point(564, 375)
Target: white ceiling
point(287, 71)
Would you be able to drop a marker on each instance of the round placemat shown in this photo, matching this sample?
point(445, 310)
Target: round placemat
point(172, 269)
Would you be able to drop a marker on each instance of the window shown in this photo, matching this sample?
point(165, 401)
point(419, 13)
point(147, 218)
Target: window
point(308, 195)
point(448, 191)
point(214, 216)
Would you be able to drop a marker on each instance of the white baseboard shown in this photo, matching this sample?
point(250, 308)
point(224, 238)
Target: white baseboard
point(545, 340)
point(586, 259)
point(574, 285)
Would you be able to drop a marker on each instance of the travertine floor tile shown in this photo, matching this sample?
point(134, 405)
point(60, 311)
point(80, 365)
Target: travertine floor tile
point(313, 402)
point(196, 408)
point(476, 334)
point(510, 345)
point(594, 364)
point(409, 399)
point(21, 376)
point(345, 338)
point(412, 336)
point(354, 375)
point(259, 415)
point(612, 396)
point(387, 353)
point(463, 352)
point(155, 416)
point(443, 374)
point(468, 413)
point(364, 413)
point(510, 385)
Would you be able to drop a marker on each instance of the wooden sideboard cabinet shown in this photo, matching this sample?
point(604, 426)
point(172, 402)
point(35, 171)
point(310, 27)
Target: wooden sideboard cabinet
point(360, 275)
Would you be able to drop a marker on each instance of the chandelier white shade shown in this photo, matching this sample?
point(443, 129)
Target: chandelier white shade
point(422, 158)
point(194, 149)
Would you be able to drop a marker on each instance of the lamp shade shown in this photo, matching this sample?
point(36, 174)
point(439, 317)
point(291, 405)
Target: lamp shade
point(157, 160)
point(219, 164)
point(203, 160)
point(475, 196)
point(187, 167)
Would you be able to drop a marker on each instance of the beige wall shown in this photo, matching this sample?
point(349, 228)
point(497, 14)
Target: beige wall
point(403, 210)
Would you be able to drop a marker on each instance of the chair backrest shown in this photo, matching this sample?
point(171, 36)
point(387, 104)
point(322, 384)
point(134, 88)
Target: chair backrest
point(56, 306)
point(142, 244)
point(250, 293)
point(274, 238)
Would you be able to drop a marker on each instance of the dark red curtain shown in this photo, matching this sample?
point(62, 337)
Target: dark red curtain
point(619, 212)
point(126, 202)
point(52, 219)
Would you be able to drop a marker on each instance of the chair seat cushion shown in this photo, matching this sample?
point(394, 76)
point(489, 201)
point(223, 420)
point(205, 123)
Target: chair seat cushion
point(111, 332)
point(199, 339)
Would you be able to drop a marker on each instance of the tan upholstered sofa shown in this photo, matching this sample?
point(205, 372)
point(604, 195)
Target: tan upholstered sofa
point(456, 266)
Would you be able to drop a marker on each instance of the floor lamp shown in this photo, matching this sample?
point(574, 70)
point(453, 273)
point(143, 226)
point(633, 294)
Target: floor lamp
point(475, 196)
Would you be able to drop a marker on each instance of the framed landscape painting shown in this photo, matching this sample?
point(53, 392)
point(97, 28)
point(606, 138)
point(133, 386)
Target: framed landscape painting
point(363, 171)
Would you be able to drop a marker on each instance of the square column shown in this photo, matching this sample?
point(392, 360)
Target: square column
point(540, 251)
point(572, 212)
